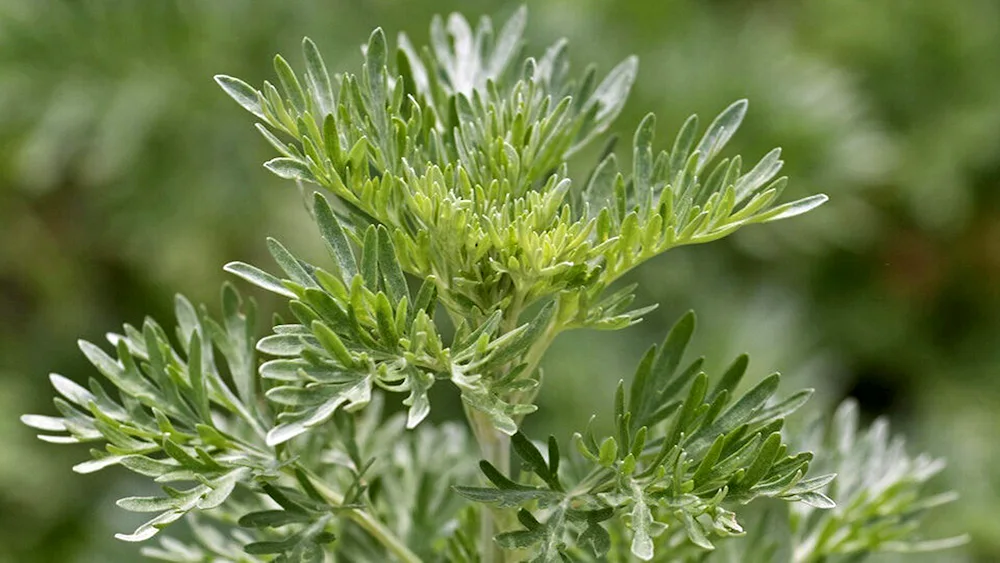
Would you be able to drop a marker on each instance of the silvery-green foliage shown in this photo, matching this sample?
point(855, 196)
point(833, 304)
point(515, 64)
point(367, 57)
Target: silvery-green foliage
point(444, 187)
point(881, 492)
point(684, 455)
point(462, 155)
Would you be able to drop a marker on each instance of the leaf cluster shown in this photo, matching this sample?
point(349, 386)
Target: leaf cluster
point(358, 330)
point(191, 418)
point(462, 156)
point(407, 475)
point(677, 465)
point(881, 491)
point(180, 417)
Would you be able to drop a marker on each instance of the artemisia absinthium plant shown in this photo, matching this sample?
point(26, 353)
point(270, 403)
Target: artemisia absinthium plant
point(460, 248)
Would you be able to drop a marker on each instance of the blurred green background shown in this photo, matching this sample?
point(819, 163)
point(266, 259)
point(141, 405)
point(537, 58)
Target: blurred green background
point(126, 176)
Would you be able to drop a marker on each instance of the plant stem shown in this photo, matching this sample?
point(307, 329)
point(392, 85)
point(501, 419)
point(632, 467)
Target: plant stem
point(383, 535)
point(495, 445)
point(495, 448)
point(532, 360)
point(368, 522)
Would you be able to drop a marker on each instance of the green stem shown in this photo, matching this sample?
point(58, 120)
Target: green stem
point(495, 445)
point(595, 478)
point(383, 535)
point(367, 522)
point(495, 448)
point(532, 359)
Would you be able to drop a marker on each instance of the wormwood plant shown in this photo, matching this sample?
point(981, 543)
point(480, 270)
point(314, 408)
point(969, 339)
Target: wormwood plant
point(461, 245)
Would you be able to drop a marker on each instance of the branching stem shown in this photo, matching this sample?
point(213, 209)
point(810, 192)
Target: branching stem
point(367, 522)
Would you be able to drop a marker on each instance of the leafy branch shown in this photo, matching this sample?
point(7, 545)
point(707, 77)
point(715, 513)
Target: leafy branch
point(181, 418)
point(465, 163)
point(673, 464)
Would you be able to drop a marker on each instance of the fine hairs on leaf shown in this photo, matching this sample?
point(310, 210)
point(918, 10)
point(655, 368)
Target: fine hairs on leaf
point(461, 243)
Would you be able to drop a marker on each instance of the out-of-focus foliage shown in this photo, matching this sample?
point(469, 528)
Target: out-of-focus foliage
point(881, 493)
point(113, 134)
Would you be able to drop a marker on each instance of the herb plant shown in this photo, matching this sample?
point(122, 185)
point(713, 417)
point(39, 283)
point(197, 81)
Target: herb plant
point(461, 244)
